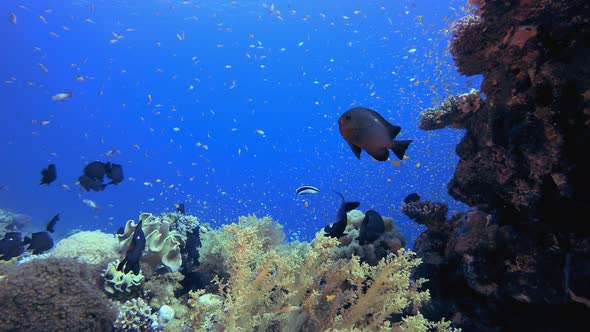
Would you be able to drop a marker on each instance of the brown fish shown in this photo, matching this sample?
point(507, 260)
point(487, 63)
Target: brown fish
point(365, 129)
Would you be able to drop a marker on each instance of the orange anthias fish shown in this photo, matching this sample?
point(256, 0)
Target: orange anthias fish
point(365, 129)
point(61, 96)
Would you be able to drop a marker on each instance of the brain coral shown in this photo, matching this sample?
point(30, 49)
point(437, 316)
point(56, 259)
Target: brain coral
point(88, 247)
point(162, 244)
point(53, 295)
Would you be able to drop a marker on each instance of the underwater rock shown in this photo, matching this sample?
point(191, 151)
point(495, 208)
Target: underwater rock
point(165, 315)
point(522, 251)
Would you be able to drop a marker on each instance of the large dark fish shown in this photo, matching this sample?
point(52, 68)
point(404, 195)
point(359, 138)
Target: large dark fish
point(48, 174)
point(337, 228)
point(371, 228)
point(11, 246)
point(95, 170)
point(134, 252)
point(89, 183)
point(114, 172)
point(51, 223)
point(193, 243)
point(365, 129)
point(39, 242)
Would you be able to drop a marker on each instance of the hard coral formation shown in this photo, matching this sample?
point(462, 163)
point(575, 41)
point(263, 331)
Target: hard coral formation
point(162, 244)
point(303, 286)
point(93, 247)
point(11, 222)
point(135, 316)
point(453, 112)
point(390, 241)
point(53, 295)
point(522, 251)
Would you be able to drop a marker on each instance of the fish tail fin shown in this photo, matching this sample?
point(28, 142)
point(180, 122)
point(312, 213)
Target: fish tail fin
point(399, 148)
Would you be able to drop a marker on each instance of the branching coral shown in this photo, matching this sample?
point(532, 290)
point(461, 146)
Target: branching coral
point(303, 286)
point(135, 316)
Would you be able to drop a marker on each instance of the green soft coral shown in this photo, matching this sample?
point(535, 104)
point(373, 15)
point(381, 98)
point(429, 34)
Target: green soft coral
point(304, 286)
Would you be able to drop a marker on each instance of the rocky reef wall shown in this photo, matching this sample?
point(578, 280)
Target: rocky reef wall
point(519, 258)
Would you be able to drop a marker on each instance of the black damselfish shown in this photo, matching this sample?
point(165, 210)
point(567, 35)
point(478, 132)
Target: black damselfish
point(134, 252)
point(48, 174)
point(39, 242)
point(337, 228)
point(11, 246)
point(94, 173)
point(51, 223)
point(371, 228)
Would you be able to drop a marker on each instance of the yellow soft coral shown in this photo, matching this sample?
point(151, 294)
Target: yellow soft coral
point(303, 286)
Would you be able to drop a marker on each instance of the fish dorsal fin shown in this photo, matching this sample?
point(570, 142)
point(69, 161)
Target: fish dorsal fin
point(356, 150)
point(393, 130)
point(351, 205)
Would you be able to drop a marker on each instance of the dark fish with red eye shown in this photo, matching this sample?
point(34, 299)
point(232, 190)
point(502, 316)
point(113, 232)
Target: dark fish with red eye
point(365, 129)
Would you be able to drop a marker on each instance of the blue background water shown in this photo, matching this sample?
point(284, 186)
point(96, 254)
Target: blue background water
point(287, 73)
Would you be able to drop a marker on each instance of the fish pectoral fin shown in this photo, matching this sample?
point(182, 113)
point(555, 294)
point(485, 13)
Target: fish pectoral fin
point(351, 205)
point(393, 130)
point(379, 154)
point(356, 150)
point(399, 148)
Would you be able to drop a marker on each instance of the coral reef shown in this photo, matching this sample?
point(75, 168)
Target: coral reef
point(523, 250)
point(13, 222)
point(53, 295)
point(304, 286)
point(390, 241)
point(135, 316)
point(162, 242)
point(93, 247)
point(117, 282)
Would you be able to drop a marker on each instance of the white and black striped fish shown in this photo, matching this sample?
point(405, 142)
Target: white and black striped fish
point(306, 190)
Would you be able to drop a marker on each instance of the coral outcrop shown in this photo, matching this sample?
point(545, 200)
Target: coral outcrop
point(11, 222)
point(135, 316)
point(91, 247)
point(53, 295)
point(520, 255)
point(163, 243)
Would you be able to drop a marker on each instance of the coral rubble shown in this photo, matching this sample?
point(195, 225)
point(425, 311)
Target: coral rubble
point(521, 253)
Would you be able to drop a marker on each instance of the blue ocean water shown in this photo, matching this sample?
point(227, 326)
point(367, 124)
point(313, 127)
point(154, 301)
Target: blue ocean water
point(225, 106)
